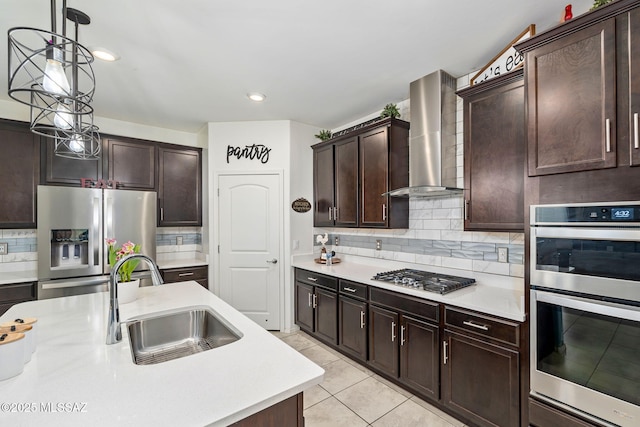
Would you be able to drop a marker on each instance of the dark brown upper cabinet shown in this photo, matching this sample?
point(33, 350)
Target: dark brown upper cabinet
point(58, 170)
point(19, 174)
point(335, 171)
point(352, 171)
point(179, 186)
point(571, 94)
point(132, 163)
point(494, 145)
point(582, 97)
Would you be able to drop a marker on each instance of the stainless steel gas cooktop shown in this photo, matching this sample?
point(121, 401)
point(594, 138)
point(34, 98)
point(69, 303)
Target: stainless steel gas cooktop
point(425, 280)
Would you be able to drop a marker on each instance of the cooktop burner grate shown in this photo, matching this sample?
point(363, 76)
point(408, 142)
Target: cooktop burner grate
point(425, 280)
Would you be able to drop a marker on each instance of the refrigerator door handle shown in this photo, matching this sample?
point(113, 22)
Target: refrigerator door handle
point(96, 231)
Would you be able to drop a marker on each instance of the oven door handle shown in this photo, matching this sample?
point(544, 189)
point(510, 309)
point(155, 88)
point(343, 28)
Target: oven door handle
point(604, 233)
point(583, 304)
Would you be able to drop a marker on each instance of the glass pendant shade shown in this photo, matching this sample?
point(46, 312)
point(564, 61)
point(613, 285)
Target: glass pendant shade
point(63, 118)
point(55, 80)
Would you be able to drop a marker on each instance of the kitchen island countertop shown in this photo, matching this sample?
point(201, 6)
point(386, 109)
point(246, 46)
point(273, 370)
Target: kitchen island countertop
point(74, 378)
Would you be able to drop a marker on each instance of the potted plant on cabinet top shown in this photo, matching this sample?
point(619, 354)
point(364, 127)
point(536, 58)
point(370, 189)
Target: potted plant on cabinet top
point(390, 110)
point(323, 135)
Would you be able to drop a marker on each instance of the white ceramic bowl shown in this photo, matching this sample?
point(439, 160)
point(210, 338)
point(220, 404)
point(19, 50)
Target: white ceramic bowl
point(12, 353)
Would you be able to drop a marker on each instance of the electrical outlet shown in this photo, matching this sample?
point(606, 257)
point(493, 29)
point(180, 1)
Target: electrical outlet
point(179, 240)
point(378, 245)
point(4, 248)
point(503, 254)
point(336, 241)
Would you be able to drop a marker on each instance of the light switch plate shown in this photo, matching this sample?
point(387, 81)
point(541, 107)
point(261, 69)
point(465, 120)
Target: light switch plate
point(4, 248)
point(378, 245)
point(179, 240)
point(336, 241)
point(503, 254)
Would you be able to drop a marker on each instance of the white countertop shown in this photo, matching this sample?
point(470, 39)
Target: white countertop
point(181, 263)
point(10, 277)
point(496, 295)
point(73, 365)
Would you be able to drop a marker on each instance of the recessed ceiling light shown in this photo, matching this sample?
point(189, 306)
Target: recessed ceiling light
point(104, 54)
point(258, 97)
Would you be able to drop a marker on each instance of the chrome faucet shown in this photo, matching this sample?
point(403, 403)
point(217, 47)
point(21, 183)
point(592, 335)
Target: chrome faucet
point(114, 333)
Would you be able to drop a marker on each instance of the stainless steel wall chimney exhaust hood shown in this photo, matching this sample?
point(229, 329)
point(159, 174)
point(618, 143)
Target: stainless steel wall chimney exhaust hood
point(432, 145)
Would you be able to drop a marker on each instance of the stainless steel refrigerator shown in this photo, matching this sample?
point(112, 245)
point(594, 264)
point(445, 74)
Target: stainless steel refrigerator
point(72, 226)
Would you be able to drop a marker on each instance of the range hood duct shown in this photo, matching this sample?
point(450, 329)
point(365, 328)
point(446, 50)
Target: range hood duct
point(432, 144)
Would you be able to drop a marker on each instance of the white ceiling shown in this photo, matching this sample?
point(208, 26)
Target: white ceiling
point(324, 63)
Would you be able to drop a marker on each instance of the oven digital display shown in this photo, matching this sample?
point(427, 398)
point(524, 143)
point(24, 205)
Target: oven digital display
point(622, 214)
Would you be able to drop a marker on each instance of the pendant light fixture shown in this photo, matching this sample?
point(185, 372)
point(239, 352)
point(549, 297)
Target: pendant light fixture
point(52, 74)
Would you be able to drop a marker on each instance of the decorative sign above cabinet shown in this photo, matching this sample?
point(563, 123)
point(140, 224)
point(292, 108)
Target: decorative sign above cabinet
point(99, 183)
point(507, 60)
point(301, 205)
point(251, 152)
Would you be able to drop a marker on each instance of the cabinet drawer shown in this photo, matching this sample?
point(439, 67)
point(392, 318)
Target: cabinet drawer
point(422, 308)
point(317, 279)
point(185, 274)
point(501, 330)
point(355, 290)
point(18, 292)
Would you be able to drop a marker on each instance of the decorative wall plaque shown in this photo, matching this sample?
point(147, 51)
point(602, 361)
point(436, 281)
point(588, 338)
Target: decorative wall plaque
point(507, 60)
point(301, 205)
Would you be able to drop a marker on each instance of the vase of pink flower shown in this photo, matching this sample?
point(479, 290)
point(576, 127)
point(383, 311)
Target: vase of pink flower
point(127, 288)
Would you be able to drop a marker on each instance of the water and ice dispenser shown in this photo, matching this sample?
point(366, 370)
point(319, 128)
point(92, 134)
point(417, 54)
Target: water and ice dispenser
point(69, 248)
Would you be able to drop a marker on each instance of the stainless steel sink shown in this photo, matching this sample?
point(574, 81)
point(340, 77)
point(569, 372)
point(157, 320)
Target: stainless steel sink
point(173, 334)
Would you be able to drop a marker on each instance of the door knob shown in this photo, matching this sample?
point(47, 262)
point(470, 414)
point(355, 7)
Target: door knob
point(273, 261)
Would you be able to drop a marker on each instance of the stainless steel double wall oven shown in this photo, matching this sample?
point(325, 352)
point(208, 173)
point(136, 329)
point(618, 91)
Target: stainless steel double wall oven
point(585, 309)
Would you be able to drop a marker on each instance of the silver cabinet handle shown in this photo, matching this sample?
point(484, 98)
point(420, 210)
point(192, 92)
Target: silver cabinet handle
point(309, 299)
point(475, 325)
point(444, 352)
point(330, 210)
point(185, 274)
point(466, 210)
point(402, 335)
point(315, 300)
point(273, 261)
point(393, 331)
point(636, 140)
point(349, 289)
point(335, 213)
point(313, 279)
point(362, 325)
point(161, 214)
point(384, 212)
point(607, 125)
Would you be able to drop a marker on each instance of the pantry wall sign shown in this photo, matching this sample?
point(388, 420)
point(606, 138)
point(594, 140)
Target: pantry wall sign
point(507, 60)
point(258, 152)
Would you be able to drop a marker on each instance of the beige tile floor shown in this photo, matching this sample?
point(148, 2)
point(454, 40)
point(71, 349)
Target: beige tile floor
point(353, 396)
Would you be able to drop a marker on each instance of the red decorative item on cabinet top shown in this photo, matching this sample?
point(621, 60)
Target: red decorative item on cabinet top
point(567, 13)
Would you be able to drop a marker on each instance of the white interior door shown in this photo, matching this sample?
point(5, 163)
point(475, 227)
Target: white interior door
point(249, 235)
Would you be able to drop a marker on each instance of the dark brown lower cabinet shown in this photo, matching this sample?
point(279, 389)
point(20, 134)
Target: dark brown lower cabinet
point(383, 345)
point(16, 293)
point(480, 381)
point(352, 321)
point(316, 311)
point(419, 361)
point(285, 413)
point(199, 274)
point(326, 322)
point(405, 347)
